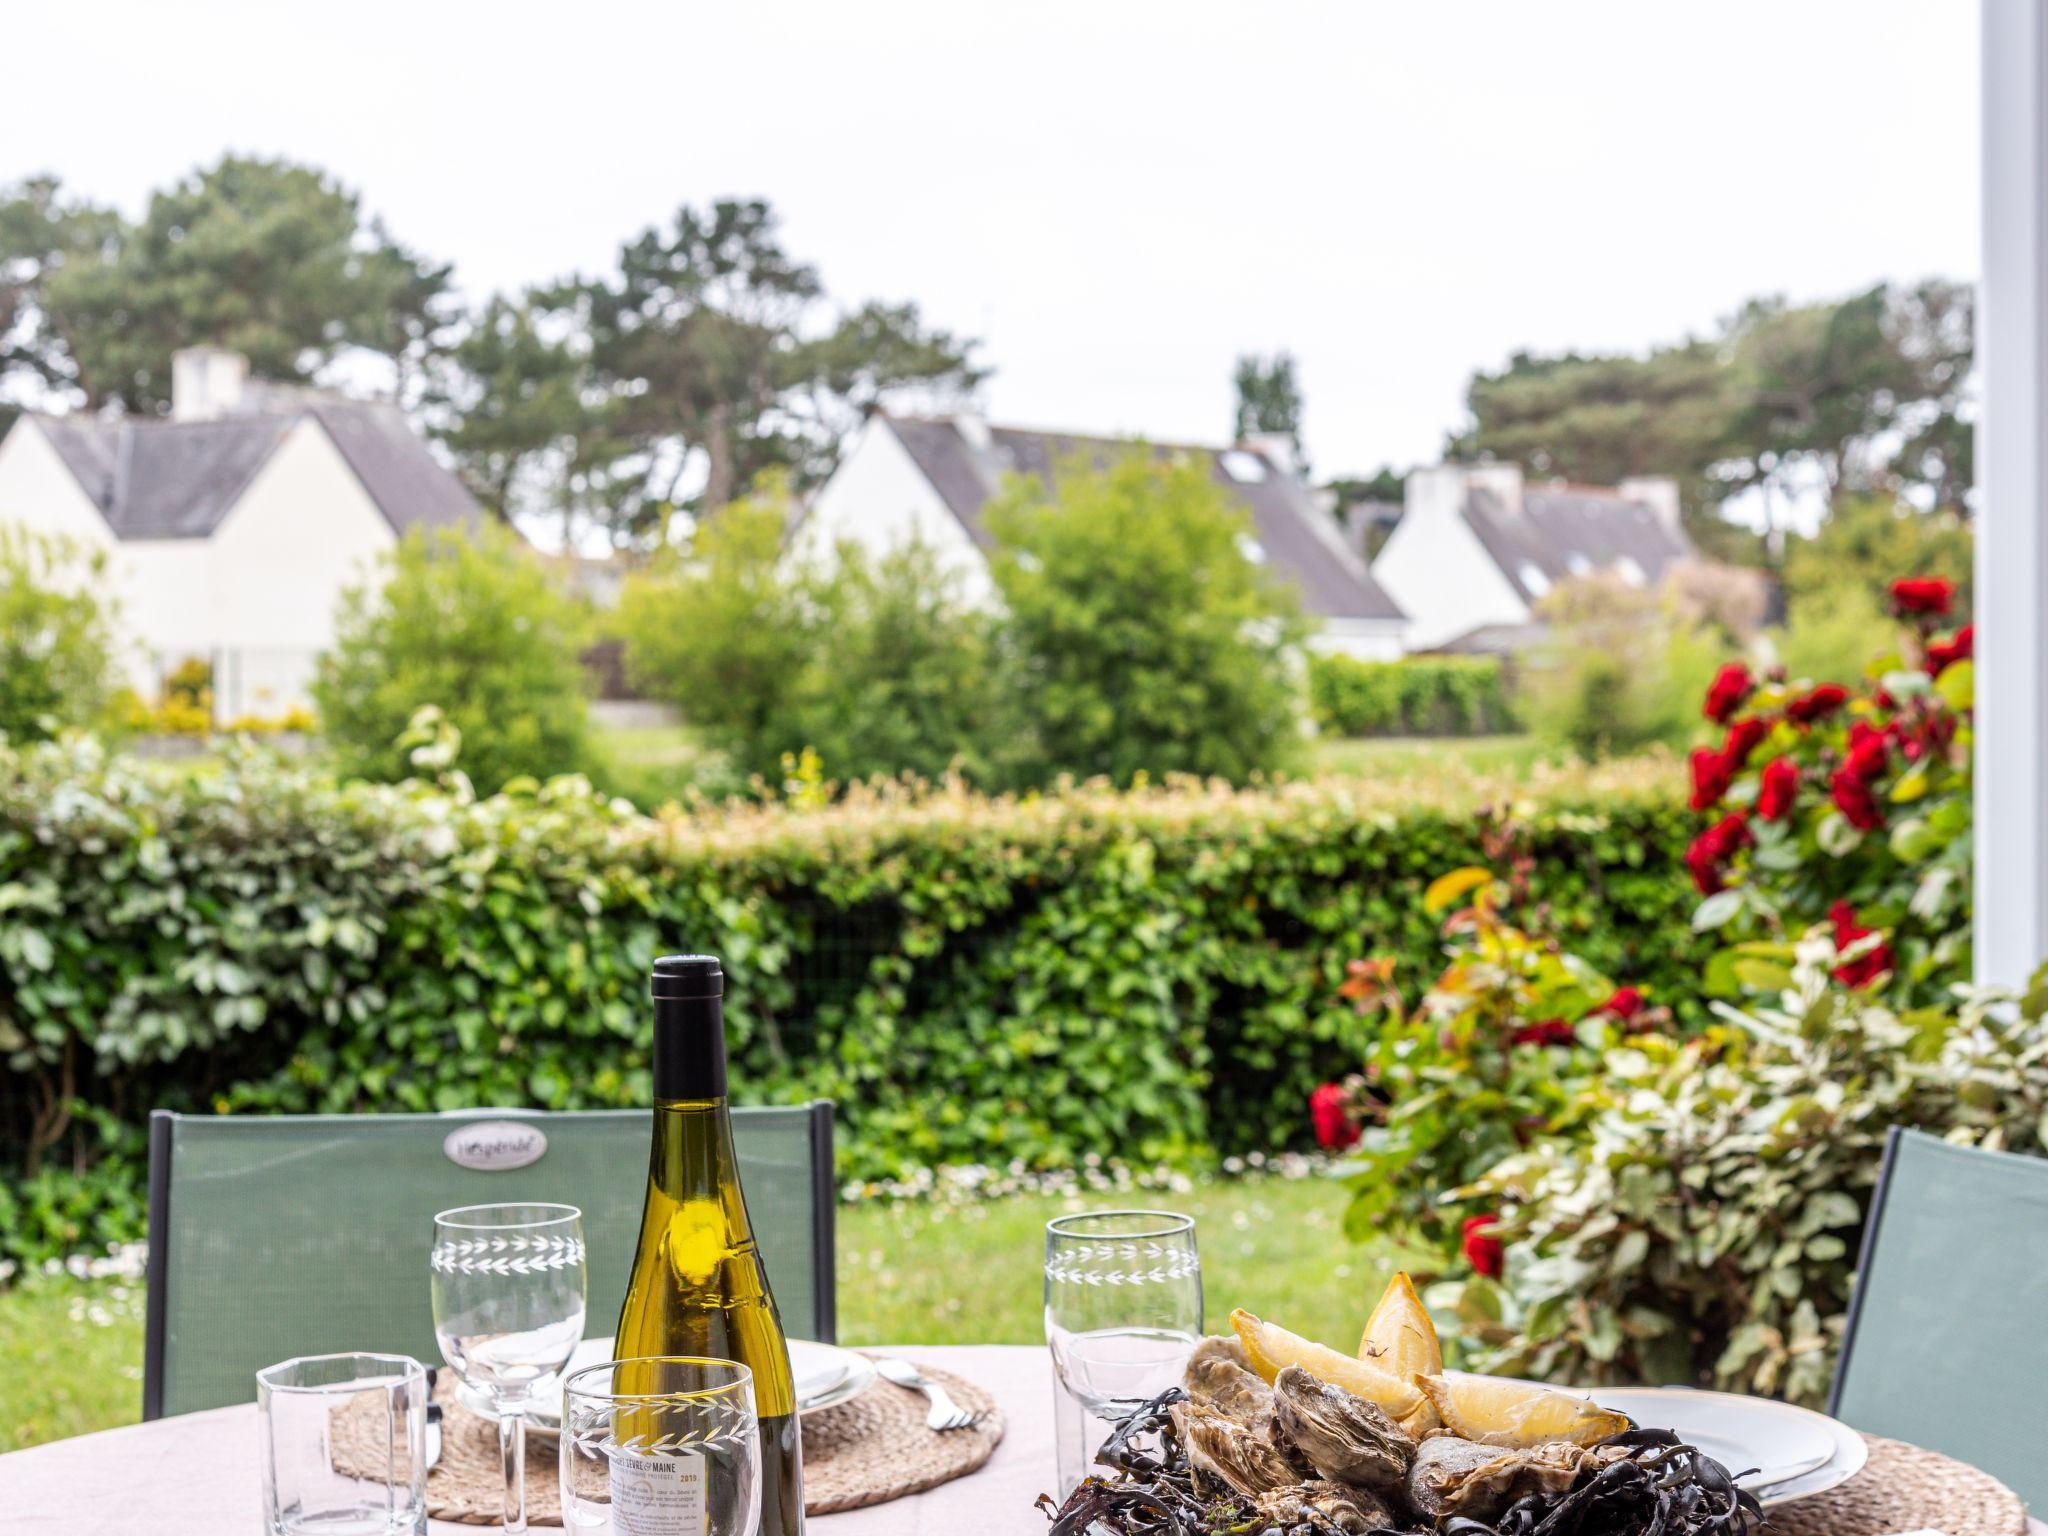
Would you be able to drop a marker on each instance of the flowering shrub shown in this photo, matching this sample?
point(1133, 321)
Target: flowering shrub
point(1489, 1060)
point(1702, 1224)
point(1845, 808)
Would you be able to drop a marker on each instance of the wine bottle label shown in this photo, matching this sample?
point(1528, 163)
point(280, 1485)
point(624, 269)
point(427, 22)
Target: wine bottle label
point(667, 1495)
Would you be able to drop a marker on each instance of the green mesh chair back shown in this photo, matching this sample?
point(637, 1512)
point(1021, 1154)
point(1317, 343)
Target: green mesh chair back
point(1947, 1342)
point(279, 1235)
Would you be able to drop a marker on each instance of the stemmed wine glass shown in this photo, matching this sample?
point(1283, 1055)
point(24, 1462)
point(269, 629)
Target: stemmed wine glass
point(1123, 1311)
point(508, 1284)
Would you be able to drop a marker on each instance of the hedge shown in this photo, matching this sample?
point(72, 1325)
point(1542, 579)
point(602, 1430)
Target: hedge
point(1415, 696)
point(1149, 974)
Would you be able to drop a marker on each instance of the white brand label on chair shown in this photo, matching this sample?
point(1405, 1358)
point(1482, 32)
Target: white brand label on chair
point(492, 1146)
point(665, 1495)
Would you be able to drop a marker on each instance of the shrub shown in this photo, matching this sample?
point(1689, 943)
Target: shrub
point(472, 622)
point(1863, 545)
point(1620, 672)
point(1845, 806)
point(1146, 641)
point(1415, 696)
point(1148, 974)
point(875, 663)
point(57, 640)
point(1493, 1057)
point(1703, 1223)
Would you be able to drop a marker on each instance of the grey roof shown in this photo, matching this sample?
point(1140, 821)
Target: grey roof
point(1297, 537)
point(179, 479)
point(1493, 640)
point(1570, 530)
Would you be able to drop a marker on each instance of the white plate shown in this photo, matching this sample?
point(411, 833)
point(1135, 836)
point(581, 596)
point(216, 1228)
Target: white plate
point(1795, 1451)
point(826, 1375)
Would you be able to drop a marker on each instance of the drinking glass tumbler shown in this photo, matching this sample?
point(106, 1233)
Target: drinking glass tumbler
point(344, 1445)
point(508, 1285)
point(661, 1446)
point(1123, 1311)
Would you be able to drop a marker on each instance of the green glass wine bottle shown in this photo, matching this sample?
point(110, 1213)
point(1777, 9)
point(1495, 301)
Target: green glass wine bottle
point(697, 1285)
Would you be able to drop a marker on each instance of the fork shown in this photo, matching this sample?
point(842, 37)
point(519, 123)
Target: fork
point(945, 1413)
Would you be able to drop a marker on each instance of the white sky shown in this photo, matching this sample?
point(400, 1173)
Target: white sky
point(1118, 197)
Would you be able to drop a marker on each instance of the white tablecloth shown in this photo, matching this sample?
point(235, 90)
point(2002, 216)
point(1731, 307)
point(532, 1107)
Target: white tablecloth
point(195, 1474)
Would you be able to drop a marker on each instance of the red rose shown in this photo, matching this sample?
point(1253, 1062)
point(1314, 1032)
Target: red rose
point(1710, 852)
point(1867, 967)
point(1743, 737)
point(1548, 1032)
point(1817, 703)
point(1482, 1252)
point(1329, 1108)
point(1934, 734)
point(1923, 595)
point(1624, 1003)
point(1780, 787)
point(1852, 797)
point(1711, 775)
point(1731, 685)
point(1943, 654)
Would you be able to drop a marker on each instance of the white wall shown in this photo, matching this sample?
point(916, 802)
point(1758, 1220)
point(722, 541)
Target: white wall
point(303, 532)
point(880, 500)
point(1434, 566)
point(38, 490)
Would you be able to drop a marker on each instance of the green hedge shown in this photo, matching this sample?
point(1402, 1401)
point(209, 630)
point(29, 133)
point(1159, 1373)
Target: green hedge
point(1149, 975)
point(1415, 696)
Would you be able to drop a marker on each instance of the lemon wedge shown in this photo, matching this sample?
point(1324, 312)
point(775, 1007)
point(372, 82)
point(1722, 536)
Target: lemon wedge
point(1516, 1414)
point(1270, 1348)
point(1399, 1337)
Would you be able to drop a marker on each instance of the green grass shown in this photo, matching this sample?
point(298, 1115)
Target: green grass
point(909, 1273)
point(1411, 757)
point(71, 1355)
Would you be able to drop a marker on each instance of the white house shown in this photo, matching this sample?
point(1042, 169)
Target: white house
point(231, 527)
point(1476, 549)
point(928, 478)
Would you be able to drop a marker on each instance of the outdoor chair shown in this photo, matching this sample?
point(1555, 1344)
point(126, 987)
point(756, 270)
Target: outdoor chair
point(279, 1235)
point(1946, 1345)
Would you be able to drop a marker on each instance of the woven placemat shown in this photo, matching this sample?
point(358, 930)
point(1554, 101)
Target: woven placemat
point(867, 1450)
point(1904, 1488)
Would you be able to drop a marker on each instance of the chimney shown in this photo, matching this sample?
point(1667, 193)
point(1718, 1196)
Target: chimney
point(974, 429)
point(206, 383)
point(1278, 448)
point(1504, 480)
point(1657, 492)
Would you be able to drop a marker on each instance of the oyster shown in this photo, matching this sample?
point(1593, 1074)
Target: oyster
point(1229, 1452)
point(1217, 1378)
point(1344, 1437)
point(1330, 1507)
point(1457, 1477)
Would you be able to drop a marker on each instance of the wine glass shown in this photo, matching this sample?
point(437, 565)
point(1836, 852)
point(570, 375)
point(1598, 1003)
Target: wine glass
point(1123, 1311)
point(508, 1286)
point(667, 1443)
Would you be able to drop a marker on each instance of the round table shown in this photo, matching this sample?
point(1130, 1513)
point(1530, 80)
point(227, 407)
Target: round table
point(195, 1474)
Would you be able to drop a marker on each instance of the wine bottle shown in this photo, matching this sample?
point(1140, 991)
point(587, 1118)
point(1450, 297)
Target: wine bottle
point(697, 1286)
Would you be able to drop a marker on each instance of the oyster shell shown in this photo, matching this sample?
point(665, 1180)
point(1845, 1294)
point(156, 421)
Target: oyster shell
point(1458, 1477)
point(1230, 1452)
point(1327, 1507)
point(1342, 1436)
point(1218, 1378)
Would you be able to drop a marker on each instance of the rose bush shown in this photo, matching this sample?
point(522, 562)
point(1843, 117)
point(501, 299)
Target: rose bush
point(1491, 1059)
point(1701, 1224)
point(1850, 808)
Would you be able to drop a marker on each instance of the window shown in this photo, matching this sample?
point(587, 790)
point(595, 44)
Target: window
point(1578, 562)
point(1251, 549)
point(1244, 468)
point(1534, 582)
point(1632, 573)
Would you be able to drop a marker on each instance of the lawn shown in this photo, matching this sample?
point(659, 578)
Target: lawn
point(1413, 757)
point(910, 1272)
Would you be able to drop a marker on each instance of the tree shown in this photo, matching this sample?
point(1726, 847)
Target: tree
point(1864, 394)
point(262, 257)
point(471, 621)
point(875, 662)
point(1145, 640)
point(1269, 402)
point(703, 363)
point(57, 640)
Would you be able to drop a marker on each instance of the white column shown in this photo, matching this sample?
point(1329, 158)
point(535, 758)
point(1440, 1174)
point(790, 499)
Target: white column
point(2011, 897)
